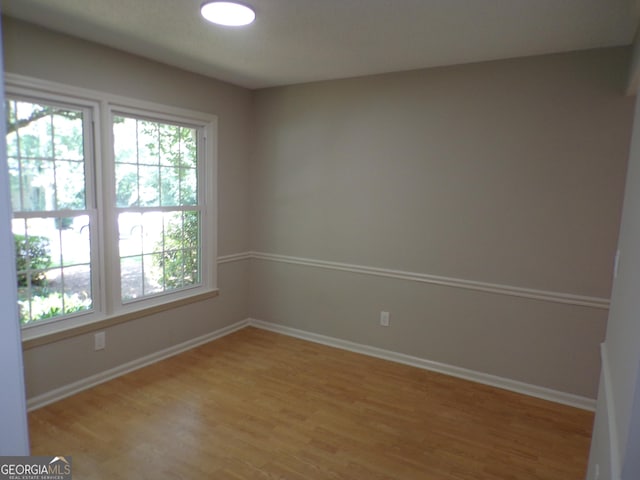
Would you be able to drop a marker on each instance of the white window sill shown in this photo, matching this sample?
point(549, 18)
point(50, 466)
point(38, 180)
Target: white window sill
point(36, 340)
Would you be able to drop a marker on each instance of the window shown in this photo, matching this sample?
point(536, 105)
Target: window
point(47, 151)
point(109, 217)
point(156, 172)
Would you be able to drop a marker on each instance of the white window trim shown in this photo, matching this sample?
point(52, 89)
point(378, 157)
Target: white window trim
point(108, 308)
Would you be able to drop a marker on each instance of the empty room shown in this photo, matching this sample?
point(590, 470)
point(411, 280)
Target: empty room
point(321, 239)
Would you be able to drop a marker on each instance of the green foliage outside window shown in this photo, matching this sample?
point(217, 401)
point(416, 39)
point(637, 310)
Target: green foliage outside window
point(32, 254)
point(179, 259)
point(51, 305)
point(32, 260)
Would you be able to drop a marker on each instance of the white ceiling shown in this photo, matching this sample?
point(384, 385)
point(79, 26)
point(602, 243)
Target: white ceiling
point(295, 41)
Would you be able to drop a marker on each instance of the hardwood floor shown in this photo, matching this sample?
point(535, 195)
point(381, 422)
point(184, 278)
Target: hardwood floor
point(258, 405)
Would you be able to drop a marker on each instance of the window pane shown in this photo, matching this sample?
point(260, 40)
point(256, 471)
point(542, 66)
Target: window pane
point(153, 148)
point(24, 306)
point(192, 270)
point(68, 140)
point(131, 277)
point(38, 185)
point(75, 245)
point(130, 234)
point(42, 180)
point(47, 173)
point(188, 187)
point(148, 143)
point(43, 247)
point(34, 130)
point(12, 144)
point(47, 302)
point(189, 147)
point(126, 185)
point(152, 232)
point(14, 183)
point(70, 181)
point(170, 145)
point(164, 254)
point(191, 227)
point(124, 140)
point(34, 266)
point(149, 186)
point(169, 186)
point(77, 288)
point(179, 261)
point(169, 243)
point(153, 280)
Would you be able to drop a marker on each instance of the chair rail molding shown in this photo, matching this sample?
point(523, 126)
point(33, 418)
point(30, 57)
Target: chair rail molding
point(494, 288)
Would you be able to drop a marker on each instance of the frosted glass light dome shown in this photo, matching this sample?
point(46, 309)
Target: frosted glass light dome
point(229, 14)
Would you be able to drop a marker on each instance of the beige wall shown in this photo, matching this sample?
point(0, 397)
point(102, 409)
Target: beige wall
point(39, 53)
point(505, 172)
point(508, 172)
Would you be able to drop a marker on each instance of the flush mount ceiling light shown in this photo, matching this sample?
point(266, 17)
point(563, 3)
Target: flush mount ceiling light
point(230, 14)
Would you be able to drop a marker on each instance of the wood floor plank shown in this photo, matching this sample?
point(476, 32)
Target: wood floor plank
point(258, 405)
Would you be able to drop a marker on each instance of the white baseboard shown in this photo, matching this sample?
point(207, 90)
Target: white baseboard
point(479, 377)
point(86, 383)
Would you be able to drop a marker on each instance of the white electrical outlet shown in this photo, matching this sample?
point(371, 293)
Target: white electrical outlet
point(596, 473)
point(384, 319)
point(99, 341)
